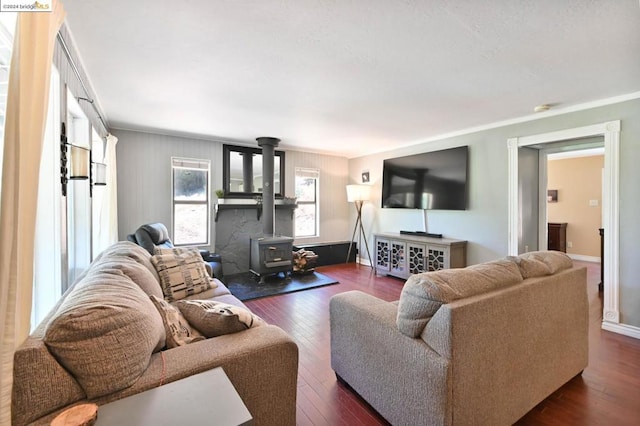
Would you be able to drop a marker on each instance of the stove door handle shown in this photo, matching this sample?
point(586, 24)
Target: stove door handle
point(277, 264)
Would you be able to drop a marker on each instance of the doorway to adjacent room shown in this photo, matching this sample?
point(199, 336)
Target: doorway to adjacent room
point(610, 133)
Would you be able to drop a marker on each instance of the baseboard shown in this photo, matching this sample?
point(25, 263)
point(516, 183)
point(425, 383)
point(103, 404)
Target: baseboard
point(364, 261)
point(584, 258)
point(627, 330)
point(331, 253)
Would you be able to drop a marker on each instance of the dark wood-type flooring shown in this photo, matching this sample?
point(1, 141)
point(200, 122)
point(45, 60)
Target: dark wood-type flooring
point(607, 393)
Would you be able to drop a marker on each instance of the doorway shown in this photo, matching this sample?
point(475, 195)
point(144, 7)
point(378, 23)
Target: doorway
point(572, 195)
point(610, 132)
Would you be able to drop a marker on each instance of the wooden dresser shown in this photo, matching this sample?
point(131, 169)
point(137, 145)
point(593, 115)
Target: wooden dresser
point(557, 237)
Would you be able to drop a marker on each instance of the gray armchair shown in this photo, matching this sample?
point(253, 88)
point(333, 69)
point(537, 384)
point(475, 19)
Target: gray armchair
point(154, 235)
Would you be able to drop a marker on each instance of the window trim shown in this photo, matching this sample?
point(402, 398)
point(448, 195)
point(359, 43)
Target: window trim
point(206, 202)
point(303, 172)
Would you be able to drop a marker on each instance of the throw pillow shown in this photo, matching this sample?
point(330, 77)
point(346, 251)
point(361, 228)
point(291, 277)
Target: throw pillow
point(177, 329)
point(182, 273)
point(171, 250)
point(216, 318)
point(104, 332)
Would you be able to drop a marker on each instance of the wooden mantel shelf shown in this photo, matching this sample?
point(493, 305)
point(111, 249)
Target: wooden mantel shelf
point(232, 206)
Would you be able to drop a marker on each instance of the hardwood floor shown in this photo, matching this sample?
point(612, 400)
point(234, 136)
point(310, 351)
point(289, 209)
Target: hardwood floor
point(607, 393)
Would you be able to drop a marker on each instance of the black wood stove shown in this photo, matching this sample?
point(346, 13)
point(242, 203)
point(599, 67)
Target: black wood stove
point(270, 254)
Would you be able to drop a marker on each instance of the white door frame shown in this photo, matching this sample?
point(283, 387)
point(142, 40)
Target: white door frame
point(610, 204)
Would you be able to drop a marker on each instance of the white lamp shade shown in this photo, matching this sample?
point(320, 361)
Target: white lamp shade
point(358, 193)
point(79, 163)
point(100, 174)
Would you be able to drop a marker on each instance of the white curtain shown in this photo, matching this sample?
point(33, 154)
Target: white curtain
point(99, 229)
point(111, 199)
point(105, 202)
point(47, 262)
point(27, 103)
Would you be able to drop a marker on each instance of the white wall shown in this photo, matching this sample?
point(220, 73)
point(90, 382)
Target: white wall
point(144, 176)
point(144, 181)
point(334, 209)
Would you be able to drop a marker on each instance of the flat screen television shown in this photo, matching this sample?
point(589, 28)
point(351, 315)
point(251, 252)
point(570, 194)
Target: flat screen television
point(434, 180)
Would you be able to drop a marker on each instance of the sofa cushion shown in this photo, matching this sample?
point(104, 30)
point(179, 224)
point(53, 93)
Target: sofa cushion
point(213, 318)
point(540, 263)
point(182, 273)
point(138, 273)
point(104, 332)
point(128, 250)
point(423, 294)
point(178, 330)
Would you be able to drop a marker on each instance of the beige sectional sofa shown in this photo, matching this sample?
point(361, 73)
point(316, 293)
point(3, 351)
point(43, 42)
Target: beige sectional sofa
point(105, 340)
point(481, 345)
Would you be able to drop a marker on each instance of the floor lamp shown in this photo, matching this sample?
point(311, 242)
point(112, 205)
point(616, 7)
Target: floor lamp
point(358, 194)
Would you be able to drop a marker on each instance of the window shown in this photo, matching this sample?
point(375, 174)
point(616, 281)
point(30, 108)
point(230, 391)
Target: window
point(190, 201)
point(306, 216)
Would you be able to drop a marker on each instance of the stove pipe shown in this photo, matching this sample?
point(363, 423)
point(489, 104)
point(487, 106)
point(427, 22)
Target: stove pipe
point(268, 195)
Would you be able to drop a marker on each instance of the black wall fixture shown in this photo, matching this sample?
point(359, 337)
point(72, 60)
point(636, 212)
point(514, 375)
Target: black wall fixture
point(63, 159)
point(82, 164)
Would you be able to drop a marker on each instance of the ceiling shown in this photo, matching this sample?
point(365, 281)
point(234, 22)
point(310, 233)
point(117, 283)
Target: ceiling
point(349, 77)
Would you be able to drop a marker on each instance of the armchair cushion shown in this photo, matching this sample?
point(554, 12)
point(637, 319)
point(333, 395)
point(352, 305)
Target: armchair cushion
point(153, 235)
point(423, 294)
point(540, 263)
point(157, 232)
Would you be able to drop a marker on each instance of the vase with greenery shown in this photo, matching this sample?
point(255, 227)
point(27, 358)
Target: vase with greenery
point(220, 195)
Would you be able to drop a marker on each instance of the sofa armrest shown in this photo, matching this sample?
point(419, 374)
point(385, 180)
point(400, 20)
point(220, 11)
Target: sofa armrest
point(213, 262)
point(207, 256)
point(395, 373)
point(262, 364)
point(209, 270)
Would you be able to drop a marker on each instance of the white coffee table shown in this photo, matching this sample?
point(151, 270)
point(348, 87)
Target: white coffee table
point(205, 398)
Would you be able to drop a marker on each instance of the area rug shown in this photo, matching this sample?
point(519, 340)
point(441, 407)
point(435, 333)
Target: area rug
point(244, 286)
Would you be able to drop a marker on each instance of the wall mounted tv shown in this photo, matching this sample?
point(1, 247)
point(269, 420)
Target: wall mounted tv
point(434, 180)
